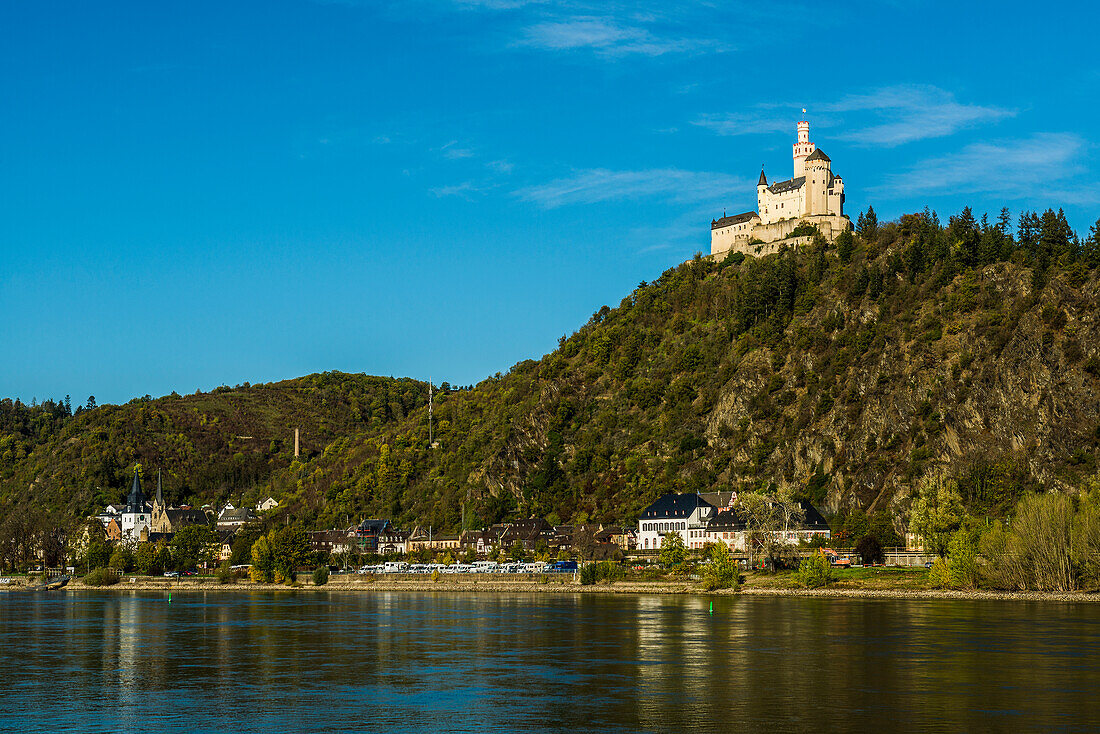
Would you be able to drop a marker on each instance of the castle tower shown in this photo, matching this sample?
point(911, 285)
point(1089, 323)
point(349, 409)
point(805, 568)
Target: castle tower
point(818, 172)
point(761, 187)
point(802, 148)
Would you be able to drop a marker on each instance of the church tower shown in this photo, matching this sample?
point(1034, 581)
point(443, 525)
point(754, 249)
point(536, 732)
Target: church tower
point(802, 147)
point(135, 518)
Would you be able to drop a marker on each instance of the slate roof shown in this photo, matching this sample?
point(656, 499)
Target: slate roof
point(609, 532)
point(726, 521)
point(674, 506)
point(182, 518)
point(237, 514)
point(818, 155)
point(718, 499)
point(528, 531)
point(735, 219)
point(763, 179)
point(732, 520)
point(814, 520)
point(790, 185)
point(136, 501)
point(471, 537)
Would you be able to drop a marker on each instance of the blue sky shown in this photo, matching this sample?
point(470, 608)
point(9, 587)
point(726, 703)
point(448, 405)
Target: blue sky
point(205, 193)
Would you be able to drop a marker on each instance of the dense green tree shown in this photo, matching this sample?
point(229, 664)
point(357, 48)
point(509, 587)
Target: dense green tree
point(190, 547)
point(1091, 251)
point(98, 555)
point(290, 548)
point(263, 559)
point(673, 553)
point(845, 244)
point(937, 512)
point(144, 556)
point(122, 559)
point(869, 550)
point(517, 551)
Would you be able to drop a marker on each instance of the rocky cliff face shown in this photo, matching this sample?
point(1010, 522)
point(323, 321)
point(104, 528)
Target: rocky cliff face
point(978, 375)
point(989, 374)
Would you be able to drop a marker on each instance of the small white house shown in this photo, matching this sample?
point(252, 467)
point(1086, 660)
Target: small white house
point(267, 504)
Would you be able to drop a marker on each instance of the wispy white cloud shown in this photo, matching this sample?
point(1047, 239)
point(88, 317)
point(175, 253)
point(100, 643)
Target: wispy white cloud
point(753, 122)
point(913, 112)
point(606, 36)
point(1039, 165)
point(501, 166)
point(453, 151)
point(600, 184)
point(465, 190)
point(884, 117)
point(495, 4)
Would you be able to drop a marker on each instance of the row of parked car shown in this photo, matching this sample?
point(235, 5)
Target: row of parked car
point(476, 567)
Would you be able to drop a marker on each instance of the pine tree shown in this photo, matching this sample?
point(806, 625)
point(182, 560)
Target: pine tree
point(844, 245)
point(867, 225)
point(1091, 253)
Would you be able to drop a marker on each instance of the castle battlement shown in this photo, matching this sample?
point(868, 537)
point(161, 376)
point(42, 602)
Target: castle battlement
point(813, 195)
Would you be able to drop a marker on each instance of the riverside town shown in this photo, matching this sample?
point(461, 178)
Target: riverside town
point(144, 536)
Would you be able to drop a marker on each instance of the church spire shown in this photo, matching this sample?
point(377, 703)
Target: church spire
point(160, 494)
point(136, 501)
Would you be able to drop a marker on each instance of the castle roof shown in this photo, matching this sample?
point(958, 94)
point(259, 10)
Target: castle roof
point(763, 179)
point(818, 155)
point(780, 187)
point(736, 219)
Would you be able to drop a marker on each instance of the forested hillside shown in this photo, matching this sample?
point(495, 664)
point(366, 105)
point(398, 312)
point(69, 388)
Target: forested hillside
point(211, 446)
point(844, 372)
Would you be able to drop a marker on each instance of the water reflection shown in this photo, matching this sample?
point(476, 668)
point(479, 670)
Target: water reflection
point(424, 662)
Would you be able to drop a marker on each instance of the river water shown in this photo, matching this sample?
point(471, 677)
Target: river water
point(404, 662)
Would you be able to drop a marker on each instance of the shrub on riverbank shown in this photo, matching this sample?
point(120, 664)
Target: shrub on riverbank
point(608, 571)
point(225, 574)
point(814, 571)
point(1050, 545)
point(101, 577)
point(722, 571)
point(320, 576)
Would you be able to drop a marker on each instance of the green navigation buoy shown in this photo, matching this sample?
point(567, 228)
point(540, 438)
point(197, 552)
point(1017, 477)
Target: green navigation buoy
point(712, 607)
point(170, 599)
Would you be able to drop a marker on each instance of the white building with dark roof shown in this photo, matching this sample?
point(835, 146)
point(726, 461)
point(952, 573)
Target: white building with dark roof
point(686, 514)
point(813, 195)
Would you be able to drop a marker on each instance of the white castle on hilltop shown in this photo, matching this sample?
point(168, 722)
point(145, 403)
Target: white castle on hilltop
point(814, 195)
